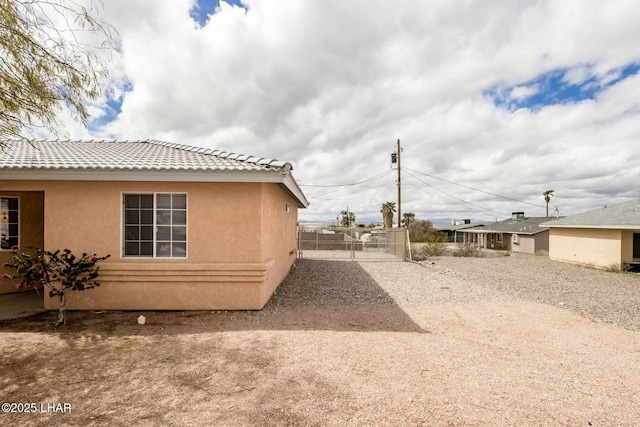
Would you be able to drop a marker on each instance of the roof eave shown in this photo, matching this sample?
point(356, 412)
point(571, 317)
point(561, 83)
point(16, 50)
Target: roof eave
point(260, 176)
point(601, 226)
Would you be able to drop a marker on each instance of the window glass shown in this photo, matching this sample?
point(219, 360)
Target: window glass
point(179, 201)
point(179, 249)
point(132, 233)
point(163, 233)
point(155, 225)
point(179, 233)
point(163, 217)
point(9, 222)
point(146, 201)
point(179, 217)
point(131, 201)
point(146, 233)
point(163, 201)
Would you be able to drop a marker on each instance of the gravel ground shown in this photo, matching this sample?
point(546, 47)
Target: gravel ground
point(599, 295)
point(505, 341)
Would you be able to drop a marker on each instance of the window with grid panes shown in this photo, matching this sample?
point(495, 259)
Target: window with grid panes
point(155, 225)
point(9, 222)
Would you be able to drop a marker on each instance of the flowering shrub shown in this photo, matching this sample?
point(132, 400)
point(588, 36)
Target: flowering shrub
point(60, 271)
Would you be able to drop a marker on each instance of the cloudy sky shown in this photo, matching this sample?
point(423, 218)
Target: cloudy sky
point(494, 101)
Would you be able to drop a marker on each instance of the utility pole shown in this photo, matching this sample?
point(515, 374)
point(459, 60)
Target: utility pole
point(399, 189)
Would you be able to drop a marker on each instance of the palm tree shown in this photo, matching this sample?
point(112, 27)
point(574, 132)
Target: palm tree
point(348, 218)
point(408, 217)
point(388, 208)
point(547, 198)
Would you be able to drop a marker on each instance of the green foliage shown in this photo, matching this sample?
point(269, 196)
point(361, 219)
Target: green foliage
point(467, 250)
point(33, 270)
point(437, 248)
point(423, 231)
point(348, 218)
point(54, 58)
point(60, 271)
point(408, 218)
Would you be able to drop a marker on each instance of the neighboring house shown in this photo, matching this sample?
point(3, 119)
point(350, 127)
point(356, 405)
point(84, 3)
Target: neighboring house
point(517, 234)
point(187, 228)
point(605, 237)
point(452, 232)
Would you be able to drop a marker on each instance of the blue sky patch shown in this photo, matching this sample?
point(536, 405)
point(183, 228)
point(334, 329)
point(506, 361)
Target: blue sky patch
point(112, 108)
point(563, 86)
point(205, 8)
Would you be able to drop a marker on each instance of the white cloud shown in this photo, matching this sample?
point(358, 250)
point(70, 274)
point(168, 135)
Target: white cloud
point(331, 86)
point(520, 93)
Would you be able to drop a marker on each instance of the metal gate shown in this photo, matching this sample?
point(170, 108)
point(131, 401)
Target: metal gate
point(384, 244)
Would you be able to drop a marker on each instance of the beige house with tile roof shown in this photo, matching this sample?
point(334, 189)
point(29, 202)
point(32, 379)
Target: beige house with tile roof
point(608, 237)
point(187, 228)
point(516, 234)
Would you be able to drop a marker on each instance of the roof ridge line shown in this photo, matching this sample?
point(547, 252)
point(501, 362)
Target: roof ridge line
point(222, 154)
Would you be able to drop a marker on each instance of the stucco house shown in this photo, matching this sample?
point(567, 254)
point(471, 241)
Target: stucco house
point(516, 234)
point(453, 231)
point(187, 228)
point(608, 237)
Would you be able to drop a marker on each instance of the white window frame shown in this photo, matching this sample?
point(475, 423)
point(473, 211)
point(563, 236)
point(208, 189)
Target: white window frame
point(155, 225)
point(9, 219)
point(499, 238)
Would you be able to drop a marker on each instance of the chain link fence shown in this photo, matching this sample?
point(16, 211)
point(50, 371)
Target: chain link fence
point(389, 244)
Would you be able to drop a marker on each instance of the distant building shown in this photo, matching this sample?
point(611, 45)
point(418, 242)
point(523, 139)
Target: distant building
point(605, 237)
point(517, 234)
point(452, 230)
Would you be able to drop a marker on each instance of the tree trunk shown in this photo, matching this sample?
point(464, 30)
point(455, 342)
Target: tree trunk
point(62, 310)
point(388, 219)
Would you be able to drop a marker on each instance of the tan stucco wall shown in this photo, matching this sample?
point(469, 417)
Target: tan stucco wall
point(31, 230)
point(526, 244)
point(279, 235)
point(531, 243)
point(596, 247)
point(239, 240)
point(627, 245)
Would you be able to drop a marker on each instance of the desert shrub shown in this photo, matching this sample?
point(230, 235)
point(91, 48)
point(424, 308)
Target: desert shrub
point(423, 231)
point(60, 271)
point(435, 245)
point(467, 250)
point(429, 250)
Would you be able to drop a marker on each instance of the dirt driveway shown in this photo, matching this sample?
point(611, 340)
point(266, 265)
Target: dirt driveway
point(341, 343)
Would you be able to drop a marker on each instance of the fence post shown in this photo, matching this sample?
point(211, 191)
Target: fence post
point(353, 255)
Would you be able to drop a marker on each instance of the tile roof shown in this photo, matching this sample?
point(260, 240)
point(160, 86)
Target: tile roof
point(531, 225)
point(150, 155)
point(453, 227)
point(148, 160)
point(623, 215)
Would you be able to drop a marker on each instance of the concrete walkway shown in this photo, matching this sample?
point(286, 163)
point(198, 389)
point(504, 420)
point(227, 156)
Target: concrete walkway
point(21, 304)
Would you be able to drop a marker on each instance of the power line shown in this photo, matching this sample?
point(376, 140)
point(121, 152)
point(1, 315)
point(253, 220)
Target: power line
point(474, 189)
point(452, 196)
point(373, 178)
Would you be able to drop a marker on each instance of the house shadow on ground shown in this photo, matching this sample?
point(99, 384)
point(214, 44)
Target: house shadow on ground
point(317, 295)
